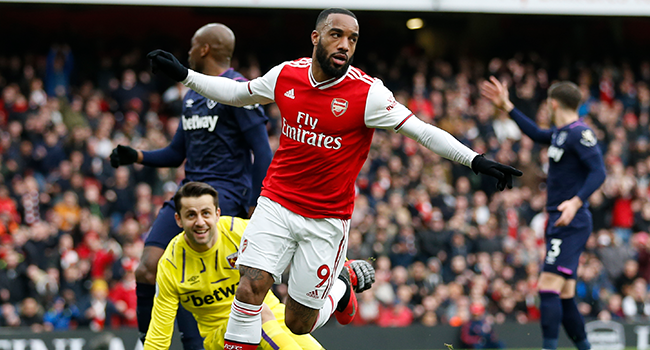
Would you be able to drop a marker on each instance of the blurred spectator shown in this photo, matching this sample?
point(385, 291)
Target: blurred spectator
point(97, 311)
point(477, 333)
point(397, 313)
point(636, 304)
point(31, 315)
point(14, 282)
point(60, 316)
point(60, 63)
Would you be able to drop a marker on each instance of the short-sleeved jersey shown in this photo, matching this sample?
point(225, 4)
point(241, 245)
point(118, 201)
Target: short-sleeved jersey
point(203, 282)
point(573, 147)
point(327, 128)
point(216, 151)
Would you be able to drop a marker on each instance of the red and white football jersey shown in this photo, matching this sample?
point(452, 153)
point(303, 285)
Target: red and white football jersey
point(327, 129)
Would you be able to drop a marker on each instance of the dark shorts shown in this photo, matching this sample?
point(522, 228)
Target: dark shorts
point(164, 228)
point(565, 244)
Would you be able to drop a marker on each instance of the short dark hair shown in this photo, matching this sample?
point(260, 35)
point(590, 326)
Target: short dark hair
point(195, 189)
point(566, 93)
point(325, 13)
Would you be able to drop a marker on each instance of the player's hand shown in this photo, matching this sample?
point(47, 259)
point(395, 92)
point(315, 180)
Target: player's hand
point(503, 173)
point(365, 274)
point(123, 155)
point(497, 93)
point(163, 61)
point(569, 208)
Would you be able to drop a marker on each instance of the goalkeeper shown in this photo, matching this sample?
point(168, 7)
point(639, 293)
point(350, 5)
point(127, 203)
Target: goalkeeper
point(198, 271)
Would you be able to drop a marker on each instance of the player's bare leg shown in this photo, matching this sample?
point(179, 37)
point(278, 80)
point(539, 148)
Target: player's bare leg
point(244, 330)
point(299, 318)
point(253, 285)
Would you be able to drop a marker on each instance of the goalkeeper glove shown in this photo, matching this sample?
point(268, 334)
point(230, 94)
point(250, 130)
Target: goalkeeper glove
point(364, 273)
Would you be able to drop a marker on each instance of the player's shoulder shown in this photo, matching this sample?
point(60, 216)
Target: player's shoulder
point(304, 62)
point(191, 98)
point(357, 74)
point(231, 73)
point(232, 226)
point(582, 133)
point(173, 251)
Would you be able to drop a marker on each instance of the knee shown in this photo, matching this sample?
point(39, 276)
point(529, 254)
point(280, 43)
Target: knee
point(146, 271)
point(297, 326)
point(144, 275)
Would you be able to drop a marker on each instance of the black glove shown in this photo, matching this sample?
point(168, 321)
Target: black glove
point(163, 61)
point(365, 274)
point(123, 155)
point(503, 173)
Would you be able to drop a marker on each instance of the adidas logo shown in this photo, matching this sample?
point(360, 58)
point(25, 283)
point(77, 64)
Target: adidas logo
point(313, 293)
point(290, 94)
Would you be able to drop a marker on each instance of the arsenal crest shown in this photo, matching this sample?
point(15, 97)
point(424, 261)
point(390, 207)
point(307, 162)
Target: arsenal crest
point(339, 106)
point(232, 259)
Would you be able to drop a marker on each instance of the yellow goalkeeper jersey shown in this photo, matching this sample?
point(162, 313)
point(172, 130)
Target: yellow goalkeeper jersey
point(205, 284)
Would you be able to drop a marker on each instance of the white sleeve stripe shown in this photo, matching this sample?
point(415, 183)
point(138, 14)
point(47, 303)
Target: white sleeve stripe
point(356, 74)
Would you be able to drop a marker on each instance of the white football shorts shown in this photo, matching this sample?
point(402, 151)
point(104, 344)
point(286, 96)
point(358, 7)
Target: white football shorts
point(316, 249)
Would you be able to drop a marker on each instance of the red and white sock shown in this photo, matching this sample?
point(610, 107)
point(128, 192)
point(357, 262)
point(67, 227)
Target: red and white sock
point(244, 330)
point(336, 293)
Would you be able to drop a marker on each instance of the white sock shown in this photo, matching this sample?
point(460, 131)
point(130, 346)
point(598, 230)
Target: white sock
point(336, 293)
point(245, 323)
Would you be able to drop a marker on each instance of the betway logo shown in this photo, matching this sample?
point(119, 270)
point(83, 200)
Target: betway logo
point(196, 122)
point(218, 294)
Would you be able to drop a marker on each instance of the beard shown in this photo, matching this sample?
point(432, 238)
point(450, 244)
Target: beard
point(195, 66)
point(551, 117)
point(326, 64)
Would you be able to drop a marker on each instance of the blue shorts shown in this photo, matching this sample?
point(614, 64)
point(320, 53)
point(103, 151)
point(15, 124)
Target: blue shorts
point(164, 228)
point(565, 244)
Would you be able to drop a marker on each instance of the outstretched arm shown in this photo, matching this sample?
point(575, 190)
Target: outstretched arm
point(220, 89)
point(447, 146)
point(437, 140)
point(223, 90)
point(165, 306)
point(383, 111)
point(171, 156)
point(498, 94)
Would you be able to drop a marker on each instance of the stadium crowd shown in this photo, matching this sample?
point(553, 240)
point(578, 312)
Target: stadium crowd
point(446, 245)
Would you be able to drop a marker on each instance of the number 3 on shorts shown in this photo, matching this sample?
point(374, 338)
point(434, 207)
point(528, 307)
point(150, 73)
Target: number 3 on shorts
point(555, 248)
